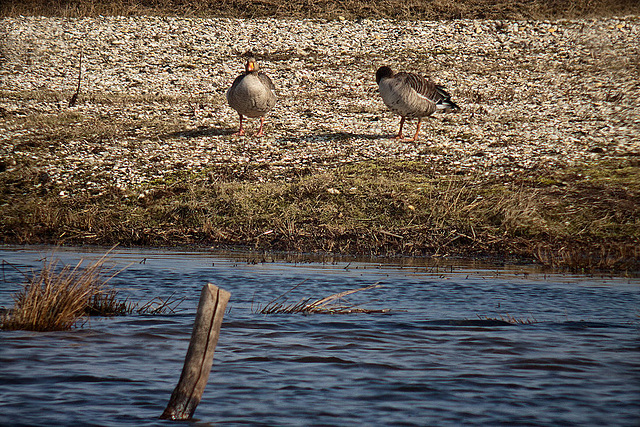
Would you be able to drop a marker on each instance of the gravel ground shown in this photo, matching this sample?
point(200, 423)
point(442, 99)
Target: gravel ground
point(534, 95)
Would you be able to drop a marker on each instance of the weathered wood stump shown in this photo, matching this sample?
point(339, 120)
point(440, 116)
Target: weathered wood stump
point(197, 364)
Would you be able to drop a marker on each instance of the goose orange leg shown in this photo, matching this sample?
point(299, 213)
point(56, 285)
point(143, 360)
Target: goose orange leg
point(415, 137)
point(399, 136)
point(260, 132)
point(241, 130)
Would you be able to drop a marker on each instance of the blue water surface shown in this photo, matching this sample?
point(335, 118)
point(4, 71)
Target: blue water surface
point(434, 359)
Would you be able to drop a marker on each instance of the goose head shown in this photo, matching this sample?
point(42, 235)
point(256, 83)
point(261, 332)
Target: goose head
point(252, 65)
point(383, 72)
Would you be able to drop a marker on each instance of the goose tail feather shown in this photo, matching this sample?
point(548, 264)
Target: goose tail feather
point(447, 104)
point(444, 102)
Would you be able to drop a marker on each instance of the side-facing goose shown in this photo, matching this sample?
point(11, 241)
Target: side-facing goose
point(412, 96)
point(252, 95)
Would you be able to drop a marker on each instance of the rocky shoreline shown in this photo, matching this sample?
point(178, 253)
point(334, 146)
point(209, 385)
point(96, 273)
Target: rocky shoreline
point(535, 96)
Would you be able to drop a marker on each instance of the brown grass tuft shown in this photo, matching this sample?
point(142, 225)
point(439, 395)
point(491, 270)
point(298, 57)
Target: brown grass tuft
point(108, 303)
point(56, 299)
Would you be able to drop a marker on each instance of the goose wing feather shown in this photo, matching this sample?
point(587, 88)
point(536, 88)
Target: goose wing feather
point(424, 87)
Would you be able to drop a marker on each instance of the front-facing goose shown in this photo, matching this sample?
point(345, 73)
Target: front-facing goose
point(412, 96)
point(252, 95)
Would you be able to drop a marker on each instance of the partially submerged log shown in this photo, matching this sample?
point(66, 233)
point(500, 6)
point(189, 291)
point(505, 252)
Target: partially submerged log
point(197, 364)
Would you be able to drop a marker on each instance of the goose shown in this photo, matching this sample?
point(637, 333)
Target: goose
point(252, 95)
point(411, 95)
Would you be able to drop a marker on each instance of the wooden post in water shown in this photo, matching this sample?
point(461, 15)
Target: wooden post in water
point(197, 364)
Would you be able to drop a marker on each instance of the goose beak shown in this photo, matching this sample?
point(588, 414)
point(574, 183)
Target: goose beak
point(251, 66)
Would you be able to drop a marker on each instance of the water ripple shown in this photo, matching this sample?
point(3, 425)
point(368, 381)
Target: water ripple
point(431, 362)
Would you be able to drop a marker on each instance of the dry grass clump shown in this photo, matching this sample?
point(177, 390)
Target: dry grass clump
point(108, 303)
point(333, 304)
point(56, 299)
point(331, 9)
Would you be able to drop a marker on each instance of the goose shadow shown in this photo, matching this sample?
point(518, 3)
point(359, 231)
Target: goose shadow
point(205, 131)
point(345, 136)
point(201, 131)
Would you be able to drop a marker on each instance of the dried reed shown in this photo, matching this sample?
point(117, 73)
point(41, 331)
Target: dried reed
point(159, 305)
point(107, 303)
point(56, 299)
point(333, 304)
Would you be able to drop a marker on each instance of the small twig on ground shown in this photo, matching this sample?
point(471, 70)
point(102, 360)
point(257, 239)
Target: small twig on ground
point(74, 98)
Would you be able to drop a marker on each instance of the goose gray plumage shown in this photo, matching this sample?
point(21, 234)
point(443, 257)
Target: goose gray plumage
point(252, 95)
point(411, 96)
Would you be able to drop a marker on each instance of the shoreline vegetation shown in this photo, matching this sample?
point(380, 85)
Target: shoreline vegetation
point(560, 219)
point(581, 215)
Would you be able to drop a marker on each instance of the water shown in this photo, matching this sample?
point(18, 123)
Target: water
point(423, 364)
